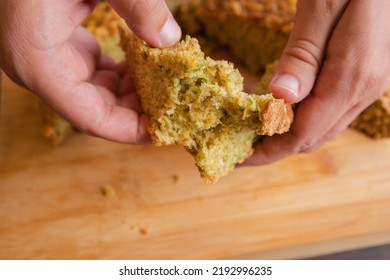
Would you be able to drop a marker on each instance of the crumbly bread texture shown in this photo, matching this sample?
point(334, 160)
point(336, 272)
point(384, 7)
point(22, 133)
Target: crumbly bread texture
point(55, 128)
point(256, 31)
point(199, 103)
point(174, 4)
point(374, 121)
point(103, 24)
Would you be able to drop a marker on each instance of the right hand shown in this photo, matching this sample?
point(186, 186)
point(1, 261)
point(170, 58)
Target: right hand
point(336, 63)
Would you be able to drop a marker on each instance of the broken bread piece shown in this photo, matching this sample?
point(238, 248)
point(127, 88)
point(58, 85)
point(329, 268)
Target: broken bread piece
point(199, 103)
point(103, 24)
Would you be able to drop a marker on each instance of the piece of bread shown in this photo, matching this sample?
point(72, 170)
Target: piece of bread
point(103, 24)
point(199, 103)
point(374, 121)
point(54, 127)
point(256, 31)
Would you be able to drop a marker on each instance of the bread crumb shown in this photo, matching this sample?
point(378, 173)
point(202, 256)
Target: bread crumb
point(143, 230)
point(177, 179)
point(108, 190)
point(133, 227)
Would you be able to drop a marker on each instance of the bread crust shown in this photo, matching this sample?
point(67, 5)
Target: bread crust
point(264, 27)
point(199, 103)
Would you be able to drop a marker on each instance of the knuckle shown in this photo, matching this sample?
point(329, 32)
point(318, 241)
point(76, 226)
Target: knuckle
point(368, 81)
point(373, 78)
point(132, 7)
point(154, 6)
point(310, 148)
point(142, 11)
point(330, 6)
point(94, 126)
point(326, 8)
point(306, 51)
point(304, 143)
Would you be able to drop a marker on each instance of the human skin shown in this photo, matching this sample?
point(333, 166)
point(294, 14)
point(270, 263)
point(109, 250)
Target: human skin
point(43, 48)
point(336, 63)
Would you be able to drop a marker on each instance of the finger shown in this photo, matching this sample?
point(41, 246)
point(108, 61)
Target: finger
point(298, 67)
point(351, 77)
point(107, 63)
point(88, 48)
point(131, 102)
point(122, 68)
point(107, 79)
point(340, 126)
point(347, 119)
point(93, 110)
point(322, 115)
point(306, 132)
point(120, 125)
point(151, 20)
point(79, 10)
point(362, 65)
point(126, 86)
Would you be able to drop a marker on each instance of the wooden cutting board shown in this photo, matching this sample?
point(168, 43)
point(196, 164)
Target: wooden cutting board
point(51, 205)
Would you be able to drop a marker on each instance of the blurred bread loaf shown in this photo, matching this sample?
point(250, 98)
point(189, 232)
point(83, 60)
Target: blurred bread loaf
point(103, 24)
point(374, 121)
point(256, 31)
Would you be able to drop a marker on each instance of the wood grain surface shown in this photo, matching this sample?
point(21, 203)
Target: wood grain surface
point(52, 207)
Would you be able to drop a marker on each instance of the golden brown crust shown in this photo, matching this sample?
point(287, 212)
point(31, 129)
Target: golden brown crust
point(276, 15)
point(103, 21)
point(264, 27)
point(103, 24)
point(276, 118)
point(199, 103)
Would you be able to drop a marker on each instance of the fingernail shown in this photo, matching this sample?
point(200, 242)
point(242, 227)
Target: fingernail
point(170, 33)
point(287, 82)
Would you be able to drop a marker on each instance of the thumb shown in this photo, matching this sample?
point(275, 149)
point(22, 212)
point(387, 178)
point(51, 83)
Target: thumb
point(302, 58)
point(151, 20)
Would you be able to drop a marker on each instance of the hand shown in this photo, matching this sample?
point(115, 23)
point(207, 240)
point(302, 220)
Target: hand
point(336, 63)
point(43, 48)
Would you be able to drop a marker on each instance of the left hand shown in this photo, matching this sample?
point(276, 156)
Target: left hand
point(336, 63)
